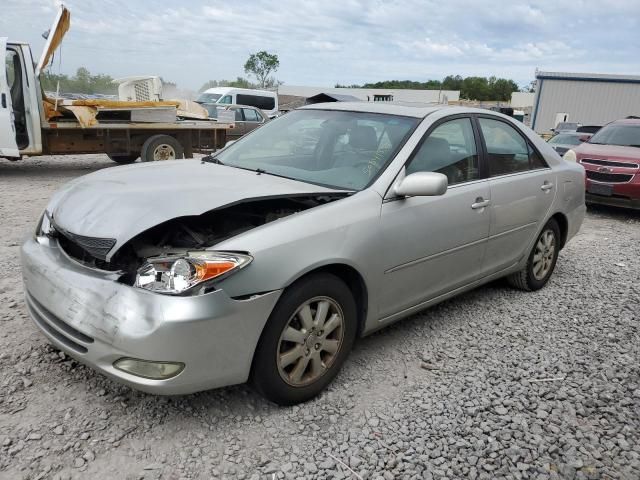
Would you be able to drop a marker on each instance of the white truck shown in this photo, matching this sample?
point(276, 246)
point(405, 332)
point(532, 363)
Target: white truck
point(33, 124)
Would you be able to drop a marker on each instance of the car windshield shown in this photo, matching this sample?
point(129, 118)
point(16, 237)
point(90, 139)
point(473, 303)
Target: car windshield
point(338, 149)
point(566, 139)
point(208, 97)
point(625, 135)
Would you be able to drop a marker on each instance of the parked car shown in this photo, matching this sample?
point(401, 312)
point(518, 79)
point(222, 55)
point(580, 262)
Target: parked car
point(265, 100)
point(267, 260)
point(564, 141)
point(564, 127)
point(246, 118)
point(611, 159)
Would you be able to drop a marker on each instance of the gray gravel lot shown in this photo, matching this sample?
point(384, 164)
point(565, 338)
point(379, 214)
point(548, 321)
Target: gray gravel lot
point(494, 384)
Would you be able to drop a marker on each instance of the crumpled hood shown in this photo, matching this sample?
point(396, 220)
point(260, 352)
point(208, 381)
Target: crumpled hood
point(121, 202)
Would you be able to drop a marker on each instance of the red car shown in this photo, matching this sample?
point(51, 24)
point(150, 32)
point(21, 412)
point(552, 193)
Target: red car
point(611, 159)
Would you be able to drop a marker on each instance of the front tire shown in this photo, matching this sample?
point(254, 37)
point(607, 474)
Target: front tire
point(306, 340)
point(541, 261)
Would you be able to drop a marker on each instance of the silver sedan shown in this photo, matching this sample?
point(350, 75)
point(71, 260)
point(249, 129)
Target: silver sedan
point(266, 261)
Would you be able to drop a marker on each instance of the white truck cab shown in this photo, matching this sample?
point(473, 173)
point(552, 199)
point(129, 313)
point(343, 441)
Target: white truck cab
point(20, 102)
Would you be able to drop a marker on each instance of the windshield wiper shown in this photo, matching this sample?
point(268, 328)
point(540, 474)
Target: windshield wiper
point(211, 159)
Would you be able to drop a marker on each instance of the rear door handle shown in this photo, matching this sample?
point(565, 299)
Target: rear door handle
point(480, 203)
point(546, 186)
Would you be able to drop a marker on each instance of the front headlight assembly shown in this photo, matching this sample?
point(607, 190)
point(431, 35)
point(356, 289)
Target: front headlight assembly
point(174, 275)
point(569, 156)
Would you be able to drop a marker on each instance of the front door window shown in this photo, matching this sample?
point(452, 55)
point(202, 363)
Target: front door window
point(449, 149)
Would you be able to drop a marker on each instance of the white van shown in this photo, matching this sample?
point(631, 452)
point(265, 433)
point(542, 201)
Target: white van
point(263, 99)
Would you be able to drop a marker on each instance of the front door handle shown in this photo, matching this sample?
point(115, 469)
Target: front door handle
point(546, 186)
point(480, 203)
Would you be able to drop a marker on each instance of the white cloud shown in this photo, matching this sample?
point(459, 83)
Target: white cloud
point(346, 41)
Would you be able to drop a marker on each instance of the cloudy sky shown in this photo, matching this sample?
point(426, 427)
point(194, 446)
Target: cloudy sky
point(329, 41)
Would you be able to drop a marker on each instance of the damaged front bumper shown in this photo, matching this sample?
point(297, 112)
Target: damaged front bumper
point(97, 320)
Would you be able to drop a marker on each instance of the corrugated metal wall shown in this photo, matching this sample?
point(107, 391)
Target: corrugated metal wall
point(586, 102)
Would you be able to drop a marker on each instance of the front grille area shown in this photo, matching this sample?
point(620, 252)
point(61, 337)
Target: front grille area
point(608, 163)
point(98, 247)
point(57, 328)
point(608, 177)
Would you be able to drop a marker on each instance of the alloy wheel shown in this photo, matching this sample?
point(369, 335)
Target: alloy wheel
point(310, 341)
point(543, 255)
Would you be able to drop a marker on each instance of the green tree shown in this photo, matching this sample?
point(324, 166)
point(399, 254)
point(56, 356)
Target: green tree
point(502, 88)
point(475, 88)
point(240, 82)
point(261, 65)
point(452, 83)
point(81, 82)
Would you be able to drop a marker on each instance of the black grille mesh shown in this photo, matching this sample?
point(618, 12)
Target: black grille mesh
point(608, 177)
point(98, 247)
point(608, 163)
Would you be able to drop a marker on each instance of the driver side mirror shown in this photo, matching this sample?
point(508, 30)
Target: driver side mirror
point(422, 184)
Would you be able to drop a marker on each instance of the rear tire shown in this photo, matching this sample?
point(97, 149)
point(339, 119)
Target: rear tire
point(123, 159)
point(161, 147)
point(541, 262)
point(306, 340)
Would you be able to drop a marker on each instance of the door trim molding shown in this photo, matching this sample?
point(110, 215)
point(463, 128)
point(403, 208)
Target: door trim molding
point(435, 255)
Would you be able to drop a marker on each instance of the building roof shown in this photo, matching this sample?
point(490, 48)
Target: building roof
point(337, 97)
point(290, 102)
point(588, 77)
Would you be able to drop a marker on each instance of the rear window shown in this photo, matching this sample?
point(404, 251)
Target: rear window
point(258, 101)
point(566, 140)
point(566, 126)
point(620, 134)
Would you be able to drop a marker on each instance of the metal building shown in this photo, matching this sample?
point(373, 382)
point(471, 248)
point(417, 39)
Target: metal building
point(376, 94)
point(586, 98)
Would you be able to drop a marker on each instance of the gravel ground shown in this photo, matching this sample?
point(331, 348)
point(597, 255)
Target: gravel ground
point(494, 384)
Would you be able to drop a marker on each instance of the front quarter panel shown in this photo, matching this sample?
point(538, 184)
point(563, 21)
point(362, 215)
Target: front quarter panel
point(345, 231)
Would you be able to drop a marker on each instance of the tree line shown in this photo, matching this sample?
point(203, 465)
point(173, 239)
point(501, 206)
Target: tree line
point(81, 82)
point(471, 88)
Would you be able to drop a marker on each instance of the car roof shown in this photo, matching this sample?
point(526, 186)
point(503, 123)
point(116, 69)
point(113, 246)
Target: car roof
point(626, 121)
point(417, 110)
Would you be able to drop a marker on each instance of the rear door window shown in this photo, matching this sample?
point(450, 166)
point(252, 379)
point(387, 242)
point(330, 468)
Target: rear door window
point(507, 150)
point(250, 115)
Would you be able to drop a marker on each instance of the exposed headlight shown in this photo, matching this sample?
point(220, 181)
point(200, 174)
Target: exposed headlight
point(570, 156)
point(176, 274)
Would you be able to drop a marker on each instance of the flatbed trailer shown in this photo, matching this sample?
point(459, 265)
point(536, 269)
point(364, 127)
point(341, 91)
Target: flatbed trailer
point(32, 124)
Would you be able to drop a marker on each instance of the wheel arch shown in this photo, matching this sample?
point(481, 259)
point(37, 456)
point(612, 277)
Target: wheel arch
point(563, 224)
point(354, 280)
